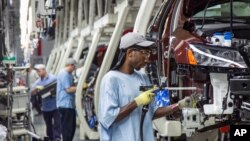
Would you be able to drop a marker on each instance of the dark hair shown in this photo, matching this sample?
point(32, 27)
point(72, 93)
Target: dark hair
point(120, 58)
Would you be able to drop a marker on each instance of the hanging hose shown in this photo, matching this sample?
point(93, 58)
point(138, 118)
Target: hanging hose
point(144, 111)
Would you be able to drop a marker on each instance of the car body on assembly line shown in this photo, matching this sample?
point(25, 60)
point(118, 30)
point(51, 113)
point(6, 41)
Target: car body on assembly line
point(203, 50)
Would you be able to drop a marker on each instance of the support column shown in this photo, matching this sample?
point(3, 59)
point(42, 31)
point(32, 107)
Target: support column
point(79, 48)
point(86, 11)
point(92, 8)
point(110, 53)
point(79, 105)
point(107, 6)
point(50, 61)
point(60, 25)
point(66, 19)
point(59, 54)
point(71, 15)
point(68, 48)
point(80, 13)
point(143, 16)
point(100, 8)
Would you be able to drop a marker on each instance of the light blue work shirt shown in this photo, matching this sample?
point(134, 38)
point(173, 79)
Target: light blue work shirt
point(48, 103)
point(117, 90)
point(65, 99)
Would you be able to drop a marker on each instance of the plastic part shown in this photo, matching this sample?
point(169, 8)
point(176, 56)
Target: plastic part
point(162, 98)
point(167, 128)
point(191, 58)
point(220, 93)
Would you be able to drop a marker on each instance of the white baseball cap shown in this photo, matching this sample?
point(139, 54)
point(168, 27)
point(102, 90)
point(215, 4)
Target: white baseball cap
point(71, 61)
point(132, 38)
point(39, 66)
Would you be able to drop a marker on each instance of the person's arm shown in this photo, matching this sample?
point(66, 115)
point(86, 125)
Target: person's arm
point(164, 111)
point(144, 98)
point(67, 83)
point(71, 89)
point(34, 91)
point(126, 110)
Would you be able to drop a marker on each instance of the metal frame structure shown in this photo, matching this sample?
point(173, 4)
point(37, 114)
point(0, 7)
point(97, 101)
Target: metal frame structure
point(88, 28)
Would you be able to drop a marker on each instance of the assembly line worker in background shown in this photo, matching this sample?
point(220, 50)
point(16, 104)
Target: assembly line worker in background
point(66, 99)
point(50, 113)
point(120, 101)
point(35, 100)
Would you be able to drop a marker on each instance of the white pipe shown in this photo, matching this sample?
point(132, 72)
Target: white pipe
point(83, 76)
point(246, 108)
point(57, 69)
point(50, 62)
point(60, 27)
point(113, 45)
point(143, 16)
point(86, 11)
point(79, 48)
point(34, 135)
point(66, 19)
point(245, 103)
point(79, 13)
point(59, 57)
point(69, 46)
point(71, 18)
point(180, 88)
point(51, 59)
point(56, 29)
point(100, 8)
point(54, 64)
point(92, 7)
point(107, 6)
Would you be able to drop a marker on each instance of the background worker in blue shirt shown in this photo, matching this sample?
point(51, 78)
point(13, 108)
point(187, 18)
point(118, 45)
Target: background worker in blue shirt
point(50, 112)
point(66, 100)
point(121, 102)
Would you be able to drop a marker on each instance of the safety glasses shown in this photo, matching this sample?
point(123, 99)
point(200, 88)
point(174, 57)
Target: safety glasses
point(145, 52)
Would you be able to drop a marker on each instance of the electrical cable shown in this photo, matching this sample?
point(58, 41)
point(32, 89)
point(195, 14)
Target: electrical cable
point(204, 16)
point(144, 111)
point(27, 117)
point(231, 16)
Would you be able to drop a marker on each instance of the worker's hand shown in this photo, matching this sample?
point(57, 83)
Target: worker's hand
point(39, 88)
point(85, 86)
point(184, 103)
point(145, 97)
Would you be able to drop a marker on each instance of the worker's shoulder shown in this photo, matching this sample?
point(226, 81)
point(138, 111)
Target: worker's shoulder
point(140, 73)
point(111, 73)
point(52, 76)
point(62, 72)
